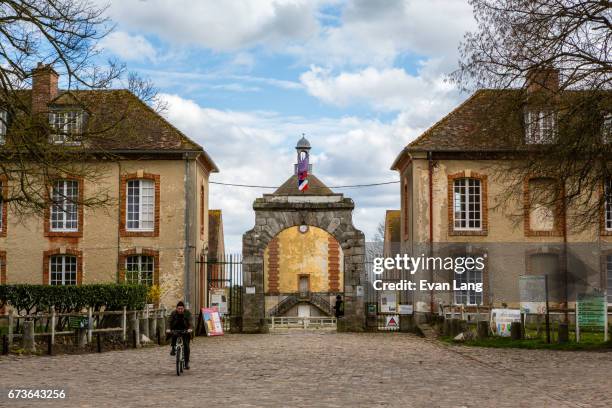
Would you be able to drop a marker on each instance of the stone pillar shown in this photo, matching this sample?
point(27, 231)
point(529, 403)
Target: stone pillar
point(82, 337)
point(253, 304)
point(29, 344)
point(134, 326)
point(144, 327)
point(483, 329)
point(153, 329)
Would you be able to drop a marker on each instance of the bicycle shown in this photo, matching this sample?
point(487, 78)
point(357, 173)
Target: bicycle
point(179, 349)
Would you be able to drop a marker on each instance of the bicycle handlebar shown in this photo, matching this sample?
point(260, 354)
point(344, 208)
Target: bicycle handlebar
point(179, 331)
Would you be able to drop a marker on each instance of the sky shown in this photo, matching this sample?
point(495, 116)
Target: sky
point(245, 78)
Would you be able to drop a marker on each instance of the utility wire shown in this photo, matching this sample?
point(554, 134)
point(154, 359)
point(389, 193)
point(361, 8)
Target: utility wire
point(309, 187)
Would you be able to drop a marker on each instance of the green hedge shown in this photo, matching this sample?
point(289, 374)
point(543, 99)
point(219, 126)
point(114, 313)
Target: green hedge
point(65, 299)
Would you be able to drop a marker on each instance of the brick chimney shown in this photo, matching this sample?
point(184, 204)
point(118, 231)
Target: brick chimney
point(44, 87)
point(543, 79)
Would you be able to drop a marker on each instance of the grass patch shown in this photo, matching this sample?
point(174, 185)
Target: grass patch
point(588, 341)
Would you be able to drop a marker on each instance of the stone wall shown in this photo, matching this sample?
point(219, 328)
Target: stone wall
point(276, 213)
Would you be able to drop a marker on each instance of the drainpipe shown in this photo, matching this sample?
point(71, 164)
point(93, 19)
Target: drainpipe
point(119, 220)
point(566, 313)
point(187, 254)
point(431, 274)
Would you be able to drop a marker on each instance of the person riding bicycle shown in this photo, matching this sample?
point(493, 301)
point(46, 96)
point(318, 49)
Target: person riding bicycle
point(180, 319)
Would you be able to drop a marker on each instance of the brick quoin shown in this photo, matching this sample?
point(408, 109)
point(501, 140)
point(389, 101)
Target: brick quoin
point(273, 266)
point(333, 264)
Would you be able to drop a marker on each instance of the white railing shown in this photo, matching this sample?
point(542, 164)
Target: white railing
point(289, 322)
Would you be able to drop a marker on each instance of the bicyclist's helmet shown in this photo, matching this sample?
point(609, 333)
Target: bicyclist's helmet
point(180, 304)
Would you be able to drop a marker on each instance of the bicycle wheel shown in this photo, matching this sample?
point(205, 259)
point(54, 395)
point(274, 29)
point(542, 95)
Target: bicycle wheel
point(179, 351)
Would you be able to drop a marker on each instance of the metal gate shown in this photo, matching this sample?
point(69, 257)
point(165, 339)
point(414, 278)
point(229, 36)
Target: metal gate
point(379, 317)
point(224, 288)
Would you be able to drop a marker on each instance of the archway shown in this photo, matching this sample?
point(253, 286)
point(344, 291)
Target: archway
point(303, 273)
point(293, 205)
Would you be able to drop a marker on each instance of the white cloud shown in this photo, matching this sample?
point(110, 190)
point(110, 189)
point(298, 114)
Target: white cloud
point(220, 25)
point(129, 47)
point(375, 33)
point(421, 98)
point(254, 148)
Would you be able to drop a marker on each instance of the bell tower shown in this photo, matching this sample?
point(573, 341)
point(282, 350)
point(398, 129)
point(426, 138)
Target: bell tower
point(303, 151)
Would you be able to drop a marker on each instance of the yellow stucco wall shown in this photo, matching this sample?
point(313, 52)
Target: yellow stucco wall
point(302, 253)
point(100, 244)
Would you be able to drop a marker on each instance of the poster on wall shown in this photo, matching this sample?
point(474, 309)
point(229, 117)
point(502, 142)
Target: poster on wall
point(532, 289)
point(218, 299)
point(502, 319)
point(212, 321)
point(388, 302)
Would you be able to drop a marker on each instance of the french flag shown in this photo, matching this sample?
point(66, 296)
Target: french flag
point(303, 174)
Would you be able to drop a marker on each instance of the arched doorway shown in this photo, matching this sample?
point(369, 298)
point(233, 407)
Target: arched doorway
point(303, 273)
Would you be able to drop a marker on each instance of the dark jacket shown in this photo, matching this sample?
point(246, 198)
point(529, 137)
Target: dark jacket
point(339, 308)
point(180, 321)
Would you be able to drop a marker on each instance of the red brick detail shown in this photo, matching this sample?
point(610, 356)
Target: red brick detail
point(69, 251)
point(273, 267)
point(2, 267)
point(602, 214)
point(123, 206)
point(333, 264)
point(484, 211)
point(202, 211)
point(4, 209)
point(47, 215)
point(405, 209)
point(146, 252)
point(559, 215)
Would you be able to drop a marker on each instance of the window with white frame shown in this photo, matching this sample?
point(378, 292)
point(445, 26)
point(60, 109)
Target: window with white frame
point(467, 204)
point(66, 126)
point(3, 125)
point(606, 128)
point(63, 270)
point(139, 269)
point(140, 205)
point(609, 274)
point(468, 297)
point(540, 126)
point(608, 204)
point(64, 206)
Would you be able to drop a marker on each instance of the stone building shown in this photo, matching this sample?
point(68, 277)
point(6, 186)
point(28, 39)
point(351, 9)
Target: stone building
point(156, 223)
point(453, 203)
point(303, 251)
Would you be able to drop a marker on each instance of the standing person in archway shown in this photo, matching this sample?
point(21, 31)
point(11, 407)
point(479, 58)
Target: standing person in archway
point(339, 307)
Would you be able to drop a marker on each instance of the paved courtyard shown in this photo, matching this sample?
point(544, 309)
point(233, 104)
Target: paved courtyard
point(319, 370)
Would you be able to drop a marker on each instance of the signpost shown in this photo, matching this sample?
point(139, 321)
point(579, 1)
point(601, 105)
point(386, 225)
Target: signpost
point(502, 319)
point(532, 290)
point(591, 312)
point(392, 321)
point(212, 321)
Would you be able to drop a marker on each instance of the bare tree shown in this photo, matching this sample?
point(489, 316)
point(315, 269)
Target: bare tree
point(553, 59)
point(63, 36)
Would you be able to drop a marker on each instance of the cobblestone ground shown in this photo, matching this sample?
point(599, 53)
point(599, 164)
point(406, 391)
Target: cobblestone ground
point(320, 370)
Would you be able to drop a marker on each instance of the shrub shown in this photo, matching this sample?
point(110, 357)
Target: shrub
point(65, 299)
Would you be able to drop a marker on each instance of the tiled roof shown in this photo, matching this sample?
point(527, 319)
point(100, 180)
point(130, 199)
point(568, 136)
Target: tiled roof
point(118, 120)
point(315, 187)
point(488, 121)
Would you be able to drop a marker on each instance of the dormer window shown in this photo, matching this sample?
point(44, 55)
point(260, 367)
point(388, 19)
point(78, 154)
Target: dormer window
point(3, 125)
point(540, 126)
point(66, 127)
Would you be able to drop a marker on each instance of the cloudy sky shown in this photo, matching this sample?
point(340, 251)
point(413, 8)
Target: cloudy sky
point(245, 78)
